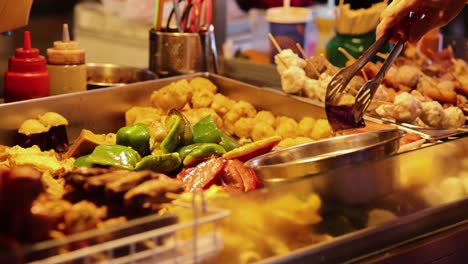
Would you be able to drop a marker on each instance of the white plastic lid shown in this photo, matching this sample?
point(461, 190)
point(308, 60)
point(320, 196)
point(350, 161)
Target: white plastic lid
point(289, 15)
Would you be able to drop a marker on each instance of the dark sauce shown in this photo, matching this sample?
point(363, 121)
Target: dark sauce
point(341, 117)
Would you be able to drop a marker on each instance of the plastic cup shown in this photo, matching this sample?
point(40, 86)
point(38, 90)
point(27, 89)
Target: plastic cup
point(291, 25)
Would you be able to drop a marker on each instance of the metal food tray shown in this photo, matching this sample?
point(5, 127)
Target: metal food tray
point(398, 184)
point(430, 134)
point(324, 155)
point(103, 110)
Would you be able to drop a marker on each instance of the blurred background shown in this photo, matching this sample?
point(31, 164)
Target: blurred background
point(116, 31)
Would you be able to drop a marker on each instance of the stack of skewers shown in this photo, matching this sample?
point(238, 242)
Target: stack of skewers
point(357, 21)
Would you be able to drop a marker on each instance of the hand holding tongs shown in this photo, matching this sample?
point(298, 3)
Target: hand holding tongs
point(343, 77)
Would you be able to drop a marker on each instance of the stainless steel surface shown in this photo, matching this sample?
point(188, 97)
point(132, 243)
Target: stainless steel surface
point(176, 53)
point(103, 110)
point(415, 187)
point(430, 134)
point(366, 93)
point(324, 155)
point(105, 75)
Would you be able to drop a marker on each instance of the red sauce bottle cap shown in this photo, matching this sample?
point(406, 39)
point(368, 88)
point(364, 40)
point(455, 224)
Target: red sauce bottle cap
point(27, 59)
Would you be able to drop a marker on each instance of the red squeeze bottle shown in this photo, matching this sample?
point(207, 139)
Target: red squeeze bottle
point(27, 75)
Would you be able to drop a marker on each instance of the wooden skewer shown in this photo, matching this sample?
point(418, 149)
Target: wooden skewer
point(275, 43)
point(301, 50)
point(382, 55)
point(352, 59)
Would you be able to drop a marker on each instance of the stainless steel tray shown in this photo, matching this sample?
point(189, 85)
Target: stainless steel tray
point(409, 185)
point(324, 155)
point(102, 110)
point(429, 134)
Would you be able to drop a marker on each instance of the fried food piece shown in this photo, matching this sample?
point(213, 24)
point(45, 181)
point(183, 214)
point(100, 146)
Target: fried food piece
point(175, 95)
point(240, 109)
point(408, 75)
point(286, 59)
point(87, 141)
point(149, 196)
point(265, 116)
point(200, 83)
point(453, 118)
point(286, 127)
point(322, 129)
point(292, 80)
point(244, 126)
point(40, 160)
point(289, 142)
point(142, 114)
point(83, 216)
point(315, 64)
point(222, 104)
point(202, 98)
point(432, 113)
point(306, 126)
point(406, 108)
point(262, 130)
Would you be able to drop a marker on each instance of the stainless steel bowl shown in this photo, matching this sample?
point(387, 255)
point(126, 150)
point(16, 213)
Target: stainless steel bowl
point(324, 155)
point(104, 75)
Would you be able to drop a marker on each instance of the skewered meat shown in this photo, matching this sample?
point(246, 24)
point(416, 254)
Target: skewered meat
point(83, 216)
point(315, 64)
point(130, 180)
point(432, 113)
point(287, 58)
point(406, 108)
point(292, 79)
point(408, 75)
point(453, 118)
point(148, 196)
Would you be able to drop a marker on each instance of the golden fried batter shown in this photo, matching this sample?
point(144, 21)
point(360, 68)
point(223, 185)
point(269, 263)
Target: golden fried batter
point(243, 127)
point(174, 95)
point(221, 104)
point(267, 117)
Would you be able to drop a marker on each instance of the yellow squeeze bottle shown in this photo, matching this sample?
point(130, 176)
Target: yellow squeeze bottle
point(66, 66)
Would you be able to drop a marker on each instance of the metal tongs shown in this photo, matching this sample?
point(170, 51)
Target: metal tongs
point(364, 96)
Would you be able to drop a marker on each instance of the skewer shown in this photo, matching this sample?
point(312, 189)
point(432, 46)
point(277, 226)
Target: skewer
point(352, 59)
point(382, 55)
point(301, 50)
point(275, 43)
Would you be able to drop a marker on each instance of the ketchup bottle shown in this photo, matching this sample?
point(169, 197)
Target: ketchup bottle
point(27, 75)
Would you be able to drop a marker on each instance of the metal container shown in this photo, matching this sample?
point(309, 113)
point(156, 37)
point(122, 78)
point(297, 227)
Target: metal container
point(101, 75)
point(324, 155)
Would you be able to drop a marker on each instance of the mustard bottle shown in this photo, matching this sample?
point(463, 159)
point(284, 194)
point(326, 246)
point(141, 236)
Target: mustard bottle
point(66, 66)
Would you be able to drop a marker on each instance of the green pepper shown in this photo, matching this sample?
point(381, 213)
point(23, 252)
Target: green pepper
point(175, 130)
point(187, 130)
point(81, 162)
point(118, 156)
point(202, 152)
point(206, 131)
point(163, 163)
point(185, 150)
point(136, 137)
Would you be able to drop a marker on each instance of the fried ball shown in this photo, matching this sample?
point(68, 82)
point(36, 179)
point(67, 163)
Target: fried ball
point(289, 142)
point(286, 127)
point(202, 98)
point(266, 116)
point(221, 104)
point(321, 129)
point(306, 126)
point(200, 83)
point(240, 109)
point(243, 127)
point(175, 95)
point(262, 130)
point(142, 114)
point(244, 109)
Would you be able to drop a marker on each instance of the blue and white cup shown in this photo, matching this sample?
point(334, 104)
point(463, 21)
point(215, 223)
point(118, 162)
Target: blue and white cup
point(291, 25)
